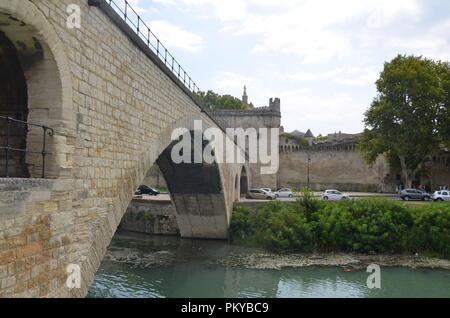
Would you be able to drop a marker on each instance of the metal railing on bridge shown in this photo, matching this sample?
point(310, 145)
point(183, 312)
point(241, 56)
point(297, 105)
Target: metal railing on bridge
point(134, 21)
point(7, 123)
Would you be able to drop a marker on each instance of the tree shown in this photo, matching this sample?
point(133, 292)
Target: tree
point(301, 141)
point(444, 119)
point(406, 119)
point(214, 101)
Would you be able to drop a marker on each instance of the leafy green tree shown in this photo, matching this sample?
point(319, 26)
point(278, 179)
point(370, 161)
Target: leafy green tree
point(444, 120)
point(214, 101)
point(406, 119)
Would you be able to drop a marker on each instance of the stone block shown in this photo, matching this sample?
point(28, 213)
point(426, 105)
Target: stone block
point(30, 250)
point(7, 282)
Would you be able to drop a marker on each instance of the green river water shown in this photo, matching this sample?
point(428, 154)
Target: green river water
point(171, 267)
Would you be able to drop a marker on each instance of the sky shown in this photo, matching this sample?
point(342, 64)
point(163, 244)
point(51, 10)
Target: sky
point(320, 57)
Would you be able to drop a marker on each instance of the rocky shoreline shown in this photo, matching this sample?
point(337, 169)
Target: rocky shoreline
point(264, 261)
point(351, 261)
point(140, 260)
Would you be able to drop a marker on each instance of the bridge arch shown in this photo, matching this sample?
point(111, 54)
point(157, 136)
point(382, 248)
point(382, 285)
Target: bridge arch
point(236, 188)
point(216, 205)
point(46, 96)
point(244, 182)
point(197, 192)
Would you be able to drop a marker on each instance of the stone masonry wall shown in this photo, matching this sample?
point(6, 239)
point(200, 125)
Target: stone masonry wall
point(254, 118)
point(341, 170)
point(155, 178)
point(35, 236)
point(150, 217)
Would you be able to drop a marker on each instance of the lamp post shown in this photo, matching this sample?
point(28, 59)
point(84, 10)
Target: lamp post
point(309, 161)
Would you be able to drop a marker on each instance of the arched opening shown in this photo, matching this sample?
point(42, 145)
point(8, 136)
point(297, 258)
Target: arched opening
point(236, 189)
point(13, 104)
point(191, 200)
point(32, 71)
point(197, 194)
point(244, 182)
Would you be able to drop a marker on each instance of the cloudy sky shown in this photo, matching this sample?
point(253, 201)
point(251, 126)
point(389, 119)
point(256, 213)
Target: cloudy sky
point(321, 57)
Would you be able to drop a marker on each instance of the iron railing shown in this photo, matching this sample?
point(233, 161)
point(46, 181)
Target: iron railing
point(134, 21)
point(46, 131)
point(129, 15)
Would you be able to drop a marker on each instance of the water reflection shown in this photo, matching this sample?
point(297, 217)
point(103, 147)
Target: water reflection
point(194, 272)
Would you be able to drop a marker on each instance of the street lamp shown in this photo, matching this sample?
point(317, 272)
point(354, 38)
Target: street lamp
point(309, 161)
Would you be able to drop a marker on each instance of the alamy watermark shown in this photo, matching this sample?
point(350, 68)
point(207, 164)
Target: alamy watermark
point(74, 16)
point(73, 280)
point(236, 145)
point(374, 279)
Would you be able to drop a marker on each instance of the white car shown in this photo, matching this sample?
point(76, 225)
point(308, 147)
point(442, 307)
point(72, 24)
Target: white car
point(443, 195)
point(267, 190)
point(284, 193)
point(334, 195)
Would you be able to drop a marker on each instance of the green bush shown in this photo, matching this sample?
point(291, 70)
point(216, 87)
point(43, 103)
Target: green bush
point(308, 203)
point(241, 228)
point(283, 230)
point(364, 226)
point(431, 231)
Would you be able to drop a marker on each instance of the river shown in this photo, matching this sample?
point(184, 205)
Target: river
point(165, 267)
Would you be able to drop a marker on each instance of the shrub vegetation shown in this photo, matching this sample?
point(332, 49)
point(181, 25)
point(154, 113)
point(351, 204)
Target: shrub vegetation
point(362, 226)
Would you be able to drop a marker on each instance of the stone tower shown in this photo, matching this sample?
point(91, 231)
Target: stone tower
point(257, 118)
point(275, 105)
point(245, 96)
point(309, 137)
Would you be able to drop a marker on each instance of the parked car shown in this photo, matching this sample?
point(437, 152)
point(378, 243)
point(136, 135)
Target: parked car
point(334, 195)
point(260, 194)
point(413, 194)
point(143, 189)
point(284, 193)
point(443, 195)
point(267, 190)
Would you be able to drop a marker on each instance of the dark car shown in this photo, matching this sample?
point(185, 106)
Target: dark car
point(143, 189)
point(413, 194)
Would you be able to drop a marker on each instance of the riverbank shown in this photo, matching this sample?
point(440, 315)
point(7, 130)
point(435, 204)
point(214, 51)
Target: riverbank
point(349, 261)
point(167, 252)
point(266, 261)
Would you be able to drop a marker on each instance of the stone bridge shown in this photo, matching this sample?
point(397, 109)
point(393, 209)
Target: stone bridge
point(113, 105)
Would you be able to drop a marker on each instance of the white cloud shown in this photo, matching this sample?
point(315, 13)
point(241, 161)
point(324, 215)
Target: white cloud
point(173, 36)
point(324, 114)
point(301, 107)
point(227, 82)
point(137, 5)
point(316, 30)
point(432, 42)
point(321, 57)
point(351, 76)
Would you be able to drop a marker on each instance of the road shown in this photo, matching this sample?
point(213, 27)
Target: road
point(356, 195)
